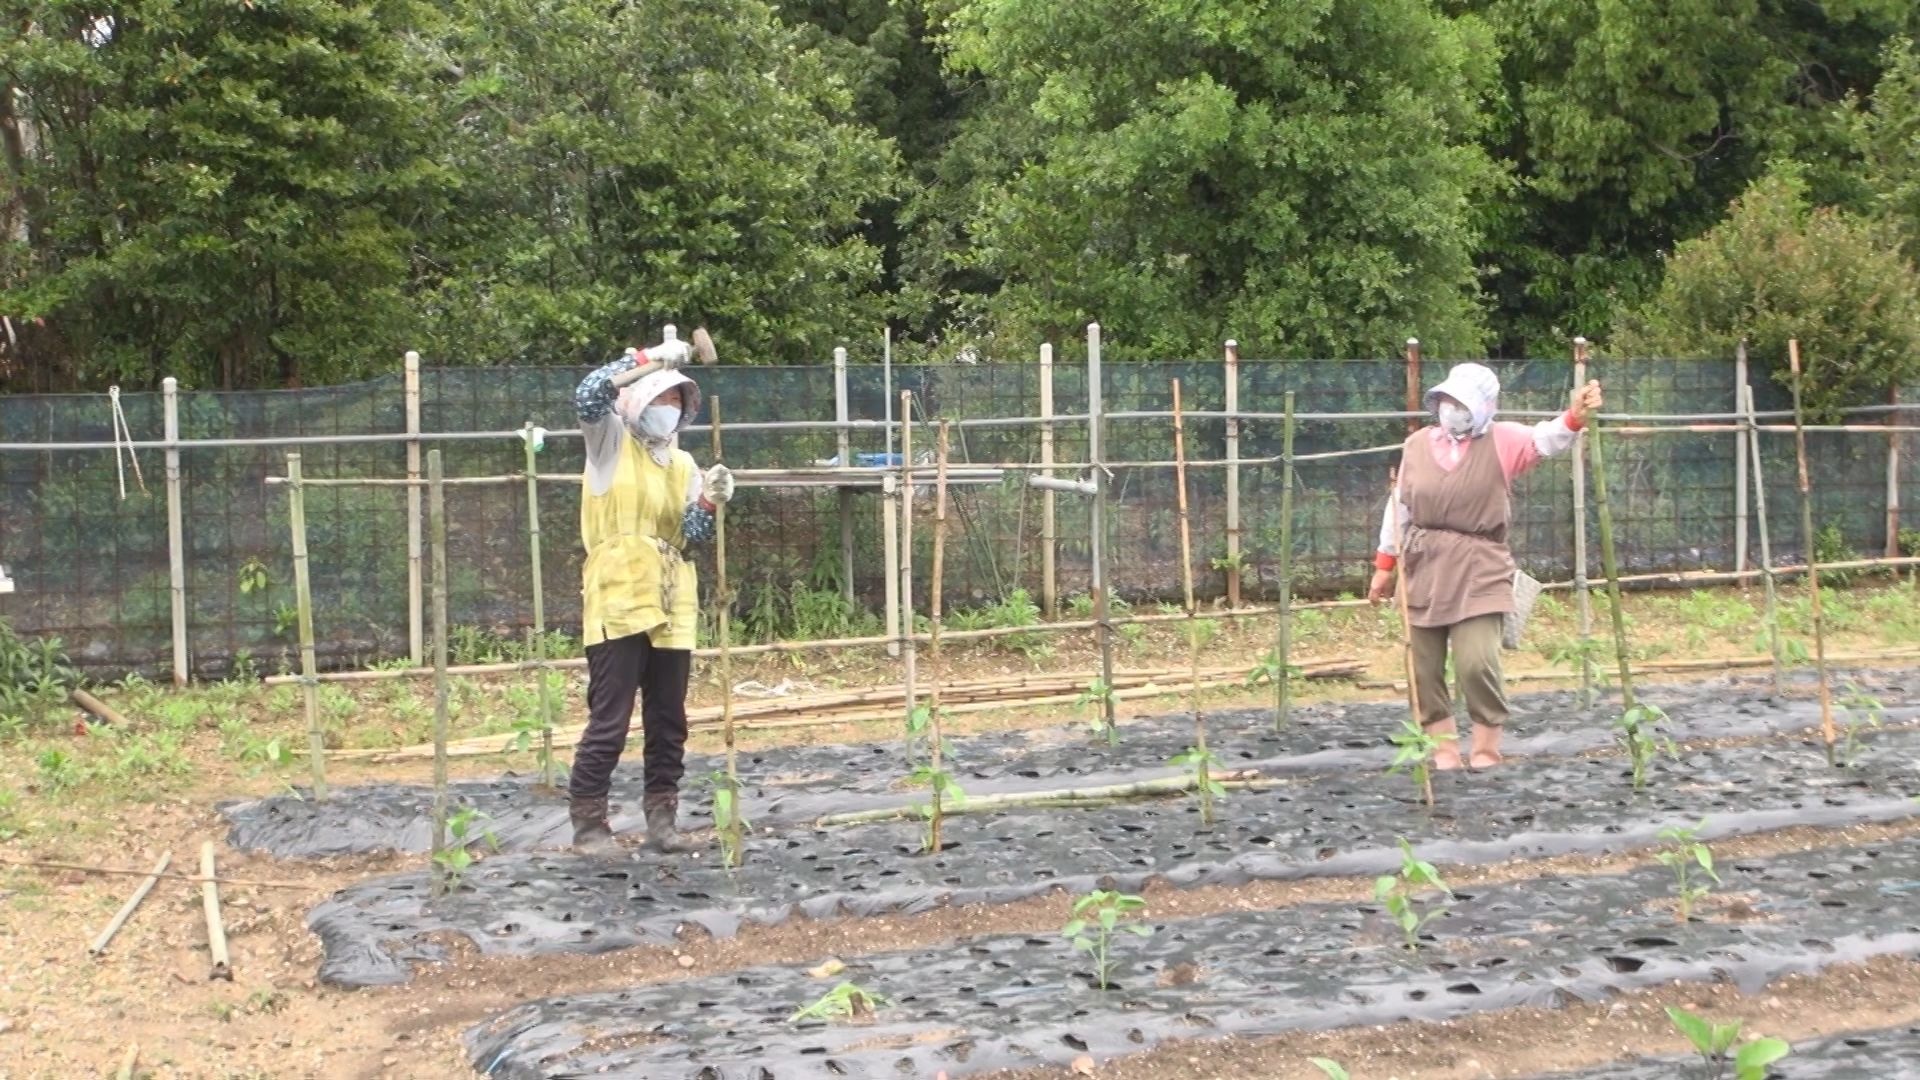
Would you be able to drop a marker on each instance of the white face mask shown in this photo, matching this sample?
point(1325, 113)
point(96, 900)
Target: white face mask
point(659, 421)
point(1456, 420)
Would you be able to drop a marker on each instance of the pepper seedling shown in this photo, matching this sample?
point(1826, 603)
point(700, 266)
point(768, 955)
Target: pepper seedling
point(1639, 732)
point(847, 1001)
point(1200, 765)
point(1097, 916)
point(1094, 699)
point(1712, 1041)
point(1415, 754)
point(1398, 893)
point(729, 824)
point(1682, 855)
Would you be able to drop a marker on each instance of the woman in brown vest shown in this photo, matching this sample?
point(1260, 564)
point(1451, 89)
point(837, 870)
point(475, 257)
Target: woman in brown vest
point(1449, 517)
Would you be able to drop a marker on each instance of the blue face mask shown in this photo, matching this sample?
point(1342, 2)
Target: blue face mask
point(659, 421)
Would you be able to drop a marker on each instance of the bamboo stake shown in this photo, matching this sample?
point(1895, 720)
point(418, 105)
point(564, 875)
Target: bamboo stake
point(128, 1062)
point(126, 911)
point(1766, 545)
point(1283, 630)
point(1202, 784)
point(1232, 378)
point(908, 645)
point(210, 903)
point(539, 642)
point(1097, 537)
point(1807, 537)
point(437, 539)
point(1171, 785)
point(1049, 515)
point(1609, 565)
point(1406, 628)
point(303, 596)
point(1582, 589)
point(935, 599)
point(732, 850)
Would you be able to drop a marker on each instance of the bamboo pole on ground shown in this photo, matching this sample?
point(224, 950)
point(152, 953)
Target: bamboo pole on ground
point(732, 849)
point(1283, 630)
point(1065, 797)
point(935, 600)
point(303, 597)
point(437, 538)
point(210, 905)
point(1807, 537)
point(1202, 782)
point(1608, 564)
point(1582, 589)
point(1406, 625)
point(126, 911)
point(539, 643)
point(1766, 544)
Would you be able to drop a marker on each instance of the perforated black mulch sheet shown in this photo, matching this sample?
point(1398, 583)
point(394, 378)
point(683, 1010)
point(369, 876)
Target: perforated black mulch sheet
point(1887, 1054)
point(800, 784)
point(1314, 825)
point(997, 1002)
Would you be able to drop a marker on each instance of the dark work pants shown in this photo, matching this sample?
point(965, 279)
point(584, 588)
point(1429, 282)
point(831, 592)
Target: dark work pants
point(615, 671)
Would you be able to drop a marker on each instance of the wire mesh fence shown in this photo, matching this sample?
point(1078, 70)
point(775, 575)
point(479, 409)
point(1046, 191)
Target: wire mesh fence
point(92, 566)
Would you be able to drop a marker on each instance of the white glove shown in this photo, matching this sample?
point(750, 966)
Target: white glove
point(719, 484)
point(672, 354)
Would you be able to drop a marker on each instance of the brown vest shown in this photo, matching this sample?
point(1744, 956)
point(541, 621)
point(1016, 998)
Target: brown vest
point(1455, 539)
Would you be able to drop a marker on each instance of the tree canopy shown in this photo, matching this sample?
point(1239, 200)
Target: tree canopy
point(279, 192)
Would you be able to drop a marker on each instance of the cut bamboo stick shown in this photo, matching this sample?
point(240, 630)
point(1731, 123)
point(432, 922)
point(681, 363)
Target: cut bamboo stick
point(216, 929)
point(1583, 593)
point(1201, 784)
point(935, 602)
point(1807, 537)
point(733, 850)
point(1406, 626)
point(1776, 654)
point(303, 597)
point(1608, 563)
point(100, 710)
point(117, 871)
point(437, 539)
point(539, 635)
point(128, 1061)
point(1283, 607)
point(126, 911)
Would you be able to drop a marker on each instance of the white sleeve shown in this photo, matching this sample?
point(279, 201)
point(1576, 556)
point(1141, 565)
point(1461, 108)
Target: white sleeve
point(1390, 525)
point(1553, 436)
point(696, 484)
point(603, 450)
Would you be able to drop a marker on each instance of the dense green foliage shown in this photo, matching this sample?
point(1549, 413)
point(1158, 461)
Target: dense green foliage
point(273, 192)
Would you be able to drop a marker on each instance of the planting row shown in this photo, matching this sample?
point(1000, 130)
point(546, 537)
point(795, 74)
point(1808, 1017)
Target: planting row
point(1862, 1055)
point(1115, 982)
point(798, 785)
point(1307, 826)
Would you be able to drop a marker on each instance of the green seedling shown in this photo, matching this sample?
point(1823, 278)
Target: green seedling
point(1097, 917)
point(729, 824)
point(1639, 732)
point(1400, 894)
point(1414, 754)
point(945, 792)
point(1333, 1069)
point(1572, 652)
point(1267, 671)
point(848, 1001)
point(1095, 699)
point(1712, 1041)
point(1683, 855)
point(1862, 710)
point(457, 858)
point(920, 731)
point(1200, 765)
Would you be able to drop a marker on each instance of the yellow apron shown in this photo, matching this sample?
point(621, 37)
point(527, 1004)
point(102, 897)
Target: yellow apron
point(637, 581)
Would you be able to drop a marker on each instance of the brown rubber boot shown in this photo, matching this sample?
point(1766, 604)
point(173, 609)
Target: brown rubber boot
point(663, 836)
point(1486, 746)
point(591, 833)
point(1446, 756)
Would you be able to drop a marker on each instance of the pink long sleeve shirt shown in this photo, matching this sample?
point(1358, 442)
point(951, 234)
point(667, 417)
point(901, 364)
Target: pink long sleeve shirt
point(1520, 446)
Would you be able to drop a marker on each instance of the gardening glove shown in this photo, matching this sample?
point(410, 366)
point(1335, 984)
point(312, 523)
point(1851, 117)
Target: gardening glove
point(719, 484)
point(672, 353)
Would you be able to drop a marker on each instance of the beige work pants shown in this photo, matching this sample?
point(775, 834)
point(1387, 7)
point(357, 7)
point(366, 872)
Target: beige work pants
point(1476, 666)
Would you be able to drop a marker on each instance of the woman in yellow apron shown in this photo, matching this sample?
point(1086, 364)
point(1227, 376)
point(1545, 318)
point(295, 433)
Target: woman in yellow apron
point(642, 502)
